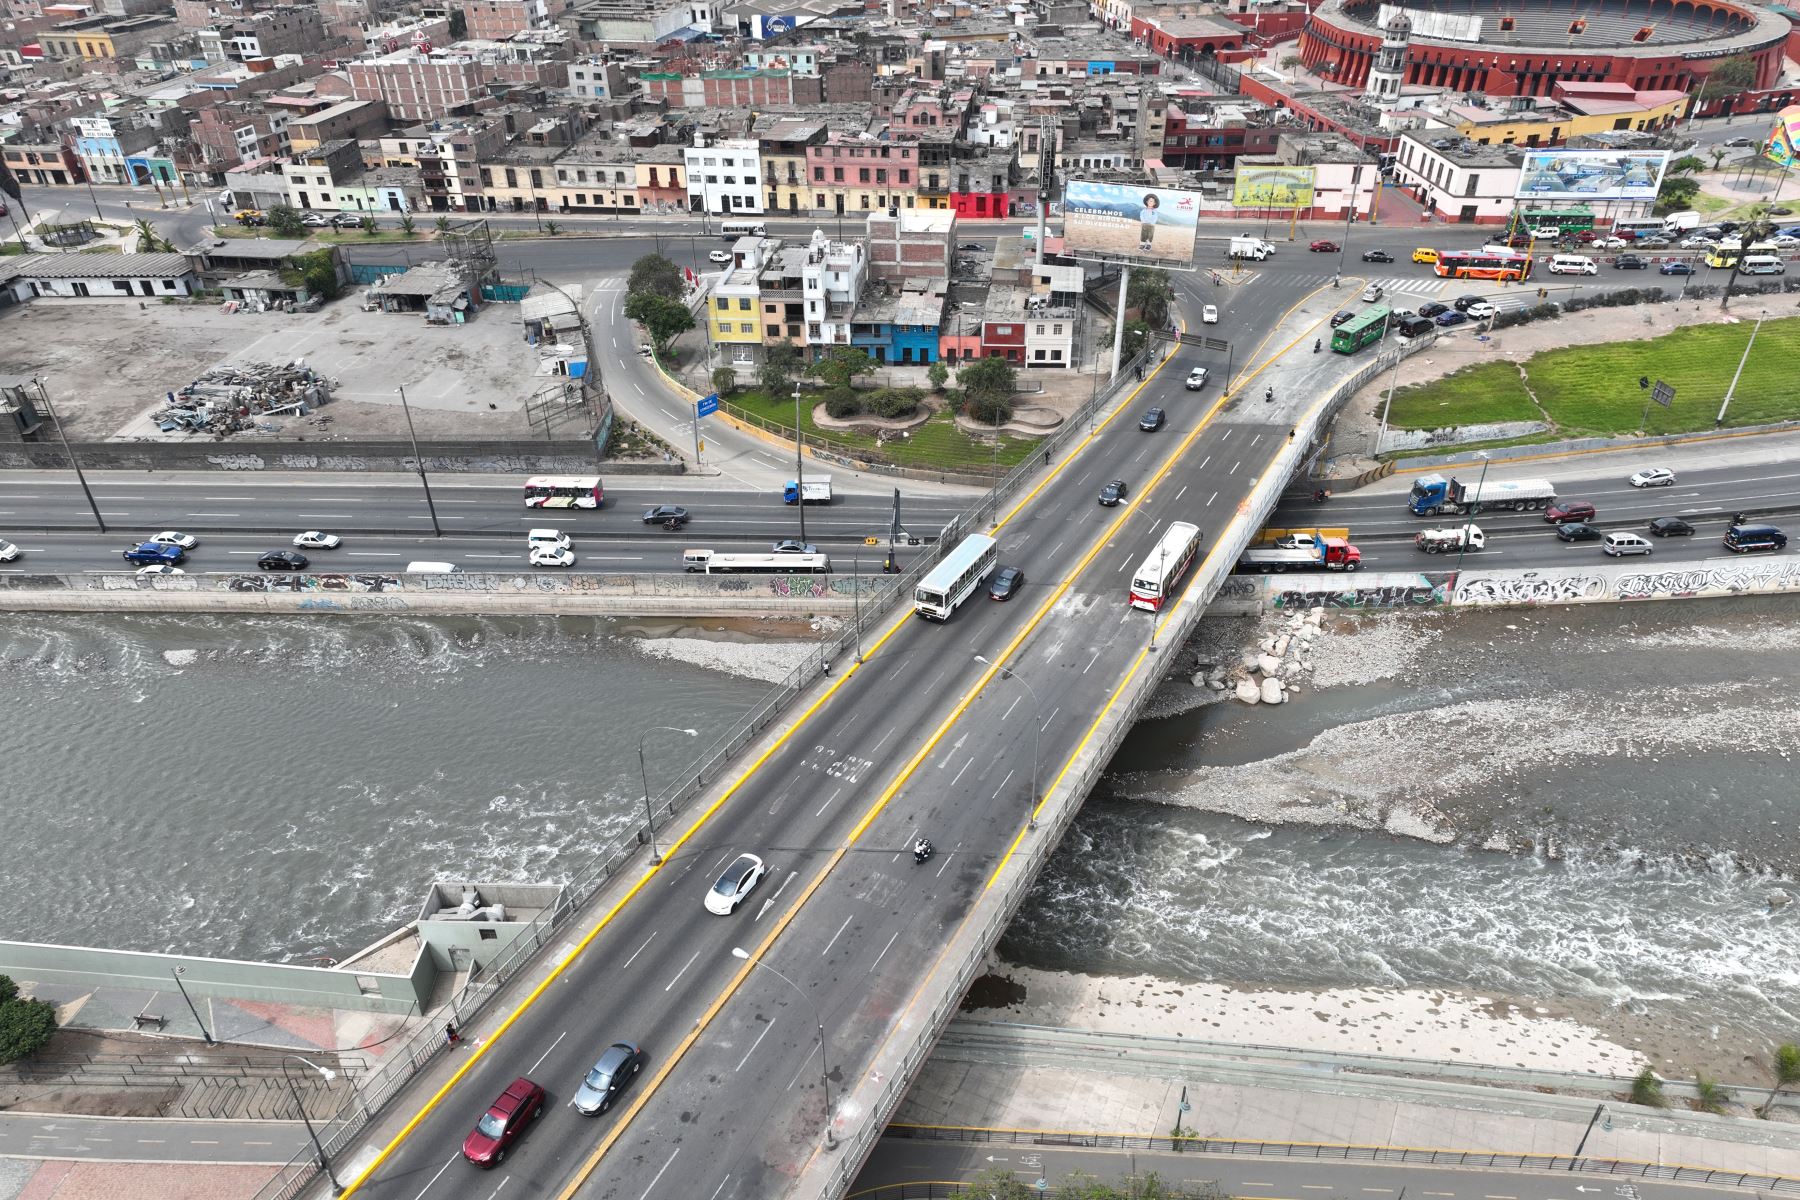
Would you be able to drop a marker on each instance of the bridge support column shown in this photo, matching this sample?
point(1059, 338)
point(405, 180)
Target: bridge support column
point(1119, 317)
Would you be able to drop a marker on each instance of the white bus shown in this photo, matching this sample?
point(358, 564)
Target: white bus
point(1630, 228)
point(563, 491)
point(1163, 569)
point(731, 231)
point(714, 563)
point(951, 581)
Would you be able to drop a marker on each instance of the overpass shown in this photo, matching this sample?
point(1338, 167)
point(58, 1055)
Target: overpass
point(771, 1072)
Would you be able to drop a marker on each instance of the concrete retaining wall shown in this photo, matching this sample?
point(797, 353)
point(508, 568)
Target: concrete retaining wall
point(463, 592)
point(480, 457)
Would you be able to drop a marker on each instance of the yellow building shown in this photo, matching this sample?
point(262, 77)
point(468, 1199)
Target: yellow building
point(734, 311)
point(1576, 111)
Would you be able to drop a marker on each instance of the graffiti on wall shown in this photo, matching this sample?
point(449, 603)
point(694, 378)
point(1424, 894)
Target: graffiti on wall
point(308, 582)
point(1533, 587)
point(1714, 577)
point(1394, 591)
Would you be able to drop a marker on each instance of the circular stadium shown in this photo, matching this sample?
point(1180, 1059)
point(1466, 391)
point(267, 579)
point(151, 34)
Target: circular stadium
point(1525, 47)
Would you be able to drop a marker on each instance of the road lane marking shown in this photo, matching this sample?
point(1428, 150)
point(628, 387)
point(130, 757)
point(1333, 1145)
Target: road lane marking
point(641, 949)
point(965, 767)
point(890, 941)
point(434, 1178)
point(720, 1188)
point(1091, 662)
point(204, 514)
point(767, 1025)
point(659, 1174)
point(836, 936)
point(1002, 786)
point(683, 971)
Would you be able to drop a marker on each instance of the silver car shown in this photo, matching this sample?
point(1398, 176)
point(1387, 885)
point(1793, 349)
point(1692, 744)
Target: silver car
point(610, 1076)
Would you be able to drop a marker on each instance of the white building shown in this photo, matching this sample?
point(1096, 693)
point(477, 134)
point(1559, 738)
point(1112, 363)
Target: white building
point(1461, 181)
point(831, 282)
point(724, 178)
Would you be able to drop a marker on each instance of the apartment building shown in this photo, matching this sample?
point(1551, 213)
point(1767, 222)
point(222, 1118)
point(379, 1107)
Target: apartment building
point(725, 176)
point(597, 175)
point(862, 174)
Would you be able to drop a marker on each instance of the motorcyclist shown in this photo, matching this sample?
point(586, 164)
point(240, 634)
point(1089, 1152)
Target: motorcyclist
point(922, 850)
point(1317, 342)
point(1320, 495)
point(1269, 396)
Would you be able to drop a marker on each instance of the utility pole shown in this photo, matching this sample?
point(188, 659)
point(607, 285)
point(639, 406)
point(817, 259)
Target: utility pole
point(1744, 358)
point(70, 451)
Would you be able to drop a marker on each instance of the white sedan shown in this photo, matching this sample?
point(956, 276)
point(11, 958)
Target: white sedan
point(719, 256)
point(738, 881)
point(160, 569)
point(1610, 243)
point(1481, 310)
point(313, 539)
point(1654, 477)
point(8, 552)
point(552, 556)
point(1209, 315)
point(169, 537)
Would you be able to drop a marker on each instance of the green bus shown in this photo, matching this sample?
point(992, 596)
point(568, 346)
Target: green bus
point(1568, 220)
point(1369, 325)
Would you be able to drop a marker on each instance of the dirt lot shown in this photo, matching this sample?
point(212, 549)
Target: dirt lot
point(109, 364)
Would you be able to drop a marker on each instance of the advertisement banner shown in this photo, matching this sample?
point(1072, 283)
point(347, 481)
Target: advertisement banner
point(1591, 174)
point(1128, 223)
point(1779, 147)
point(1263, 186)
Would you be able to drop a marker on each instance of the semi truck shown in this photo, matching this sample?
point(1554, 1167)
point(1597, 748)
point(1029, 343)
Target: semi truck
point(1443, 541)
point(1433, 494)
point(1302, 552)
point(810, 489)
point(1250, 247)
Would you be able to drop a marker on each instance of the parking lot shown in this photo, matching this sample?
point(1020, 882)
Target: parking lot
point(109, 365)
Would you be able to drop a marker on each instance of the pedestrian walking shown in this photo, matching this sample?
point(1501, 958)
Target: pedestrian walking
point(451, 1037)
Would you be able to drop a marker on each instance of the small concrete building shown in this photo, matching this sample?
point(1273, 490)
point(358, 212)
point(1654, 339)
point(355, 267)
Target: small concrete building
point(101, 276)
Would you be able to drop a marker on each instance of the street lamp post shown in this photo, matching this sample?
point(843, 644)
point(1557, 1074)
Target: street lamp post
point(799, 466)
point(328, 1075)
point(70, 451)
point(1037, 728)
point(818, 1020)
point(1162, 573)
point(1579, 1146)
point(419, 461)
point(1469, 523)
point(1349, 216)
point(644, 774)
point(177, 972)
point(1726, 403)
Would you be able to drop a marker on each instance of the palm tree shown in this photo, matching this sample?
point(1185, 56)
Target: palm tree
point(442, 224)
point(1787, 1073)
point(149, 241)
point(406, 224)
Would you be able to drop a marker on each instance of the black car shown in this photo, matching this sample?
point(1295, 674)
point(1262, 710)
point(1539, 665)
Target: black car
point(1151, 421)
point(618, 1066)
point(1671, 527)
point(1433, 309)
point(1380, 256)
point(1114, 492)
point(970, 246)
point(1629, 262)
point(662, 514)
point(1006, 585)
point(1727, 226)
point(282, 560)
point(1340, 316)
point(1461, 303)
point(1577, 531)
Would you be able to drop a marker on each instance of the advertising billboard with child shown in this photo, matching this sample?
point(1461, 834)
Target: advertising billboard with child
point(1129, 224)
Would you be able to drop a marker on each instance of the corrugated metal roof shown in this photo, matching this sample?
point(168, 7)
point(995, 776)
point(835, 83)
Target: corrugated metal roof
point(102, 266)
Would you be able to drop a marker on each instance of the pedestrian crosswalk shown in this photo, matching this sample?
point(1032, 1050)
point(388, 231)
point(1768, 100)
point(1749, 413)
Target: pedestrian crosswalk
point(1400, 289)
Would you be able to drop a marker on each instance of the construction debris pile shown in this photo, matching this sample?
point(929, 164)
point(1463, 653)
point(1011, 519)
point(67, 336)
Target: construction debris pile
point(230, 398)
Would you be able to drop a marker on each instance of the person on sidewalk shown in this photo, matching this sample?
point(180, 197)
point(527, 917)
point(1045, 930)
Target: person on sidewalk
point(451, 1037)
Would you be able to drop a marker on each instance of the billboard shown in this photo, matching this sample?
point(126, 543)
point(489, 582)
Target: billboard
point(1591, 174)
point(1782, 146)
point(1134, 224)
point(1265, 186)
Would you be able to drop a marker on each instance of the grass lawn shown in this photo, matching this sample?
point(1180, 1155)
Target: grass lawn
point(349, 237)
point(1472, 396)
point(937, 443)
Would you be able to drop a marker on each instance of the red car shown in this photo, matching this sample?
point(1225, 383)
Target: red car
point(504, 1123)
point(1569, 510)
point(1324, 247)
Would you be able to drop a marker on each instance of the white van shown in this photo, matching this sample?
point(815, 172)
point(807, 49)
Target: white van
point(1762, 264)
point(546, 539)
point(1617, 544)
point(1573, 264)
point(432, 568)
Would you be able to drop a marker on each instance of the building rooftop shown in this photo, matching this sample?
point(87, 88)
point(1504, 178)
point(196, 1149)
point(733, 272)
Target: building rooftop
point(89, 266)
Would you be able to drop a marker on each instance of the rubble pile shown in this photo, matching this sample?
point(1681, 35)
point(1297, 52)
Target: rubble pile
point(231, 398)
point(1269, 673)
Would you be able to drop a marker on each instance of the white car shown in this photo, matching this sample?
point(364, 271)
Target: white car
point(160, 569)
point(551, 556)
point(169, 537)
point(313, 539)
point(1699, 242)
point(719, 256)
point(8, 552)
point(1481, 310)
point(1784, 241)
point(546, 539)
point(1610, 243)
point(1654, 477)
point(1547, 231)
point(1209, 315)
point(738, 881)
point(315, 220)
point(1196, 379)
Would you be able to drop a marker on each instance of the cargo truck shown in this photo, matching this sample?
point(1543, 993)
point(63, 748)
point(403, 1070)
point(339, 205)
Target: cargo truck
point(811, 489)
point(1250, 247)
point(1302, 553)
point(1443, 541)
point(1433, 494)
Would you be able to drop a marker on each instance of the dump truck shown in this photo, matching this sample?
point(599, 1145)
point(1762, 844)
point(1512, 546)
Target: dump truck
point(1443, 541)
point(1302, 552)
point(1433, 494)
point(810, 489)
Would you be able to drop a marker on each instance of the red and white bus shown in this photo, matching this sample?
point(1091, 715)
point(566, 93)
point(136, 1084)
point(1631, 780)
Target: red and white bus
point(563, 491)
point(1490, 262)
point(1163, 569)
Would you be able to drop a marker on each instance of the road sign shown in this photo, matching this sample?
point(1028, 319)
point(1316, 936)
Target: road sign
point(1663, 394)
point(871, 541)
point(1217, 344)
point(1042, 1184)
point(706, 406)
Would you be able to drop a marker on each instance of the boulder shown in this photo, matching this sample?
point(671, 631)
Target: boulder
point(1248, 660)
point(1271, 691)
point(1198, 679)
point(1281, 645)
point(1248, 692)
point(1268, 664)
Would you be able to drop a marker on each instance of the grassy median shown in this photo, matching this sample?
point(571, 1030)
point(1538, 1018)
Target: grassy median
point(938, 443)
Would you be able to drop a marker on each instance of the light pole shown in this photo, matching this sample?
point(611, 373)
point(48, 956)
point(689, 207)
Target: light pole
point(1576, 1157)
point(1349, 215)
point(818, 1020)
point(327, 1074)
point(73, 461)
point(644, 774)
point(1386, 404)
point(419, 461)
point(1162, 573)
point(1469, 523)
point(177, 972)
point(1037, 728)
point(799, 467)
point(1726, 403)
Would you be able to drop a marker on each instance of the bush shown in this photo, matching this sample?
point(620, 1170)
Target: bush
point(989, 409)
point(892, 402)
point(25, 1025)
point(1647, 1090)
point(842, 402)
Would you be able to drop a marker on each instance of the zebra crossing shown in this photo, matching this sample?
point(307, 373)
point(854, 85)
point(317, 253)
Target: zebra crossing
point(1409, 285)
point(1412, 286)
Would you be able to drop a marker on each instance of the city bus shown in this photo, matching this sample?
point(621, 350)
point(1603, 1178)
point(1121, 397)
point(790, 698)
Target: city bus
point(714, 563)
point(1157, 576)
point(563, 491)
point(1726, 254)
point(1489, 262)
point(1569, 220)
point(1632, 228)
point(958, 575)
point(1368, 326)
point(731, 231)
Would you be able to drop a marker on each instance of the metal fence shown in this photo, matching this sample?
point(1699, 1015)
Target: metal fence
point(1333, 1152)
point(142, 1070)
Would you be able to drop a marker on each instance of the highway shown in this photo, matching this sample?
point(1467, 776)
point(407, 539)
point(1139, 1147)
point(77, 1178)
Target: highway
point(385, 523)
point(899, 1160)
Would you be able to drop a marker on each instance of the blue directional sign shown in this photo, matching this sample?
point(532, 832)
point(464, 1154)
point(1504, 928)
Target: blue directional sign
point(706, 406)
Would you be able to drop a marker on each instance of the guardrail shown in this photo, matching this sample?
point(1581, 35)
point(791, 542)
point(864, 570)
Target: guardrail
point(399, 1068)
point(1347, 1152)
point(141, 1070)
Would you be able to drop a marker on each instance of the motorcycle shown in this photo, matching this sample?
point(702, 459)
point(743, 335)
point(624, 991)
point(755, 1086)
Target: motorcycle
point(1321, 495)
point(923, 850)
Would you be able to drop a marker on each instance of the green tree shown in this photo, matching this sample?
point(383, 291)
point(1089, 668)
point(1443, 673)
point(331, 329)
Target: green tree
point(776, 375)
point(1709, 1095)
point(459, 24)
point(149, 241)
point(285, 220)
point(1787, 1071)
point(654, 273)
point(1717, 153)
point(1151, 294)
point(989, 379)
point(442, 224)
point(939, 374)
point(1647, 1090)
point(316, 272)
point(1136, 335)
point(1730, 76)
point(25, 1025)
point(1677, 192)
point(839, 368)
point(724, 380)
point(406, 224)
point(1687, 164)
point(998, 1183)
point(552, 228)
point(663, 319)
point(367, 224)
